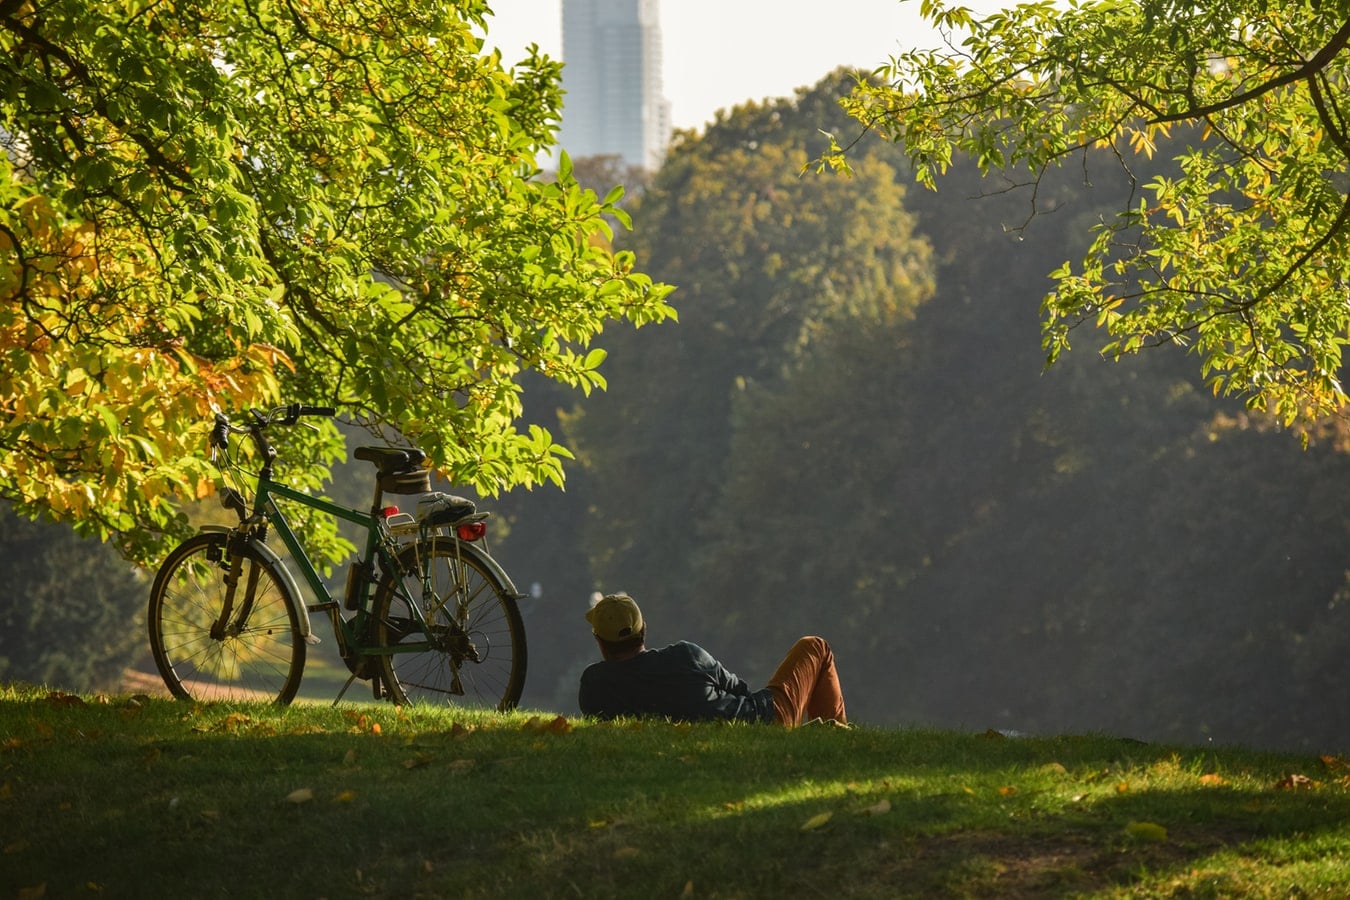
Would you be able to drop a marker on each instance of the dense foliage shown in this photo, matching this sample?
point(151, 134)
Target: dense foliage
point(1239, 247)
point(74, 610)
point(210, 204)
point(986, 543)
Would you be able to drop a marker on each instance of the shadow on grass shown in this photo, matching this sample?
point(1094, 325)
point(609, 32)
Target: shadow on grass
point(214, 802)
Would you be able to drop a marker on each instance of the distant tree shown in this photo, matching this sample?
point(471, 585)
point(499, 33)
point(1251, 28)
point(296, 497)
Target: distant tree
point(1240, 249)
point(217, 203)
point(601, 173)
point(767, 262)
point(72, 612)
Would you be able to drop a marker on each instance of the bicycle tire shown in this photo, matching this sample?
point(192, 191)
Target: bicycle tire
point(476, 662)
point(260, 655)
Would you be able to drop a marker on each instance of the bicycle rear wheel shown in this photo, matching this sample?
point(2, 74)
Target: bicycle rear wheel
point(472, 652)
point(253, 653)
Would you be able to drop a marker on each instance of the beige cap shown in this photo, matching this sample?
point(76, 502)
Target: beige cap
point(615, 617)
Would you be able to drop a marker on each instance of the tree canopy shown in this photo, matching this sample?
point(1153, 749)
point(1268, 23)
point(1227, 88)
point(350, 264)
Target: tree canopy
point(985, 543)
point(210, 204)
point(1238, 245)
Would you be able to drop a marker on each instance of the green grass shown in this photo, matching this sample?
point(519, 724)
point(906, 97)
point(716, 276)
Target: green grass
point(117, 797)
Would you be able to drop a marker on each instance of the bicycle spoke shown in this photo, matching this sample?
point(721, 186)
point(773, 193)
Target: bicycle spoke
point(471, 648)
point(258, 653)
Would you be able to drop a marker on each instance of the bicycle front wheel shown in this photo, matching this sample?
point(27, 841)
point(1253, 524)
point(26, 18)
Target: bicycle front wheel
point(460, 641)
point(252, 651)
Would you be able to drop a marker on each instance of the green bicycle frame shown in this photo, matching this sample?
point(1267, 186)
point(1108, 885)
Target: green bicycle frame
point(347, 631)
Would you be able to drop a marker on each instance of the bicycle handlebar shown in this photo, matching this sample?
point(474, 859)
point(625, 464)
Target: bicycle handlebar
point(281, 415)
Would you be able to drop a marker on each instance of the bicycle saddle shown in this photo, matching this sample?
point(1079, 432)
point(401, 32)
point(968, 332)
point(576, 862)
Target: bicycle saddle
point(392, 459)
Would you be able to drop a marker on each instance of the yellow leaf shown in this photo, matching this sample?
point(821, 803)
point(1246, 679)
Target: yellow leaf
point(1007, 791)
point(881, 807)
point(1212, 779)
point(302, 795)
point(1122, 788)
point(346, 797)
point(816, 821)
point(688, 891)
point(1146, 831)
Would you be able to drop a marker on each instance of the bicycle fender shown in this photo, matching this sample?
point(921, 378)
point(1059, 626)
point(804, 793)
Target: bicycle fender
point(490, 563)
point(283, 574)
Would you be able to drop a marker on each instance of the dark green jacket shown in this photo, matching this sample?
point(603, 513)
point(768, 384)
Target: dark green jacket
point(681, 682)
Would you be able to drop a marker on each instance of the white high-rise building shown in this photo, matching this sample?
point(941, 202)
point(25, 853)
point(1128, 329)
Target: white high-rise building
point(612, 76)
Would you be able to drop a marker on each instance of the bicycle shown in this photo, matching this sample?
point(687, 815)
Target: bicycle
point(427, 615)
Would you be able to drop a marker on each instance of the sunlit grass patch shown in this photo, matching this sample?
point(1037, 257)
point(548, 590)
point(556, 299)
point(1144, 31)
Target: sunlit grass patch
point(124, 793)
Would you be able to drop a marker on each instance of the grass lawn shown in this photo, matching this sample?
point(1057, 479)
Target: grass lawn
point(148, 797)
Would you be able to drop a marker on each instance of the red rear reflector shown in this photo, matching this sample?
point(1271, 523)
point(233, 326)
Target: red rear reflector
point(471, 531)
point(389, 511)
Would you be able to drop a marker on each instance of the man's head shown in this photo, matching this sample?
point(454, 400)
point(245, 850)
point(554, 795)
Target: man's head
point(617, 625)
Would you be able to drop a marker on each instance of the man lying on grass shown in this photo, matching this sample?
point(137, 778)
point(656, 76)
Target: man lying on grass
point(683, 682)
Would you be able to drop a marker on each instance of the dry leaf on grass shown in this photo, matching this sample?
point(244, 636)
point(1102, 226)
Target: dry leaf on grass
point(881, 807)
point(817, 821)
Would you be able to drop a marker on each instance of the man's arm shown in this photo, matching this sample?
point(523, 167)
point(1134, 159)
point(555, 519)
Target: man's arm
point(726, 681)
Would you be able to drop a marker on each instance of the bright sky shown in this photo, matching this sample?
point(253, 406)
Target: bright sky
point(719, 53)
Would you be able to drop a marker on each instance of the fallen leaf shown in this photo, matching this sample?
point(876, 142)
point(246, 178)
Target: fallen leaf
point(625, 853)
point(688, 891)
point(881, 807)
point(61, 698)
point(1123, 787)
point(18, 846)
point(1055, 768)
point(1295, 783)
point(1007, 791)
point(418, 761)
point(345, 797)
point(461, 765)
point(36, 892)
point(302, 795)
point(459, 732)
point(556, 725)
point(1146, 831)
point(1212, 779)
point(349, 757)
point(817, 821)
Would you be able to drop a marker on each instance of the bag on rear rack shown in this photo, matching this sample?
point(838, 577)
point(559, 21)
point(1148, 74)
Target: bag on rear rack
point(439, 508)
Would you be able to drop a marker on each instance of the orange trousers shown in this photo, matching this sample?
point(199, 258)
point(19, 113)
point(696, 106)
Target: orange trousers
point(806, 685)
